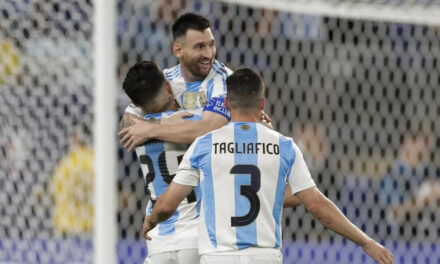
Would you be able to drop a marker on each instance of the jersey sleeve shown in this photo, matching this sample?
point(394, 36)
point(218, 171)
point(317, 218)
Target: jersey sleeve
point(299, 178)
point(217, 105)
point(187, 173)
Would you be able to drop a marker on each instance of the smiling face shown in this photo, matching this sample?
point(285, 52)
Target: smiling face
point(196, 53)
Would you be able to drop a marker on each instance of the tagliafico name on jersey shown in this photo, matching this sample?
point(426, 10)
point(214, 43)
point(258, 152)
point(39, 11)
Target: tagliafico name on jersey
point(246, 148)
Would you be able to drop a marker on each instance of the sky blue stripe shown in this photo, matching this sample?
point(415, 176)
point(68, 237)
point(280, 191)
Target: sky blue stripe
point(153, 151)
point(285, 153)
point(174, 73)
point(291, 157)
point(210, 88)
point(193, 86)
point(167, 227)
point(222, 68)
point(159, 186)
point(206, 185)
point(223, 74)
point(246, 235)
point(177, 72)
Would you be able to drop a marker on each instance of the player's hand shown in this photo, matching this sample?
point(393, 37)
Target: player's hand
point(178, 118)
point(378, 252)
point(265, 117)
point(147, 226)
point(135, 134)
point(265, 120)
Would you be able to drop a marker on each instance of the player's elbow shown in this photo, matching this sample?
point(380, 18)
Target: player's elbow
point(319, 210)
point(315, 209)
point(164, 211)
point(167, 210)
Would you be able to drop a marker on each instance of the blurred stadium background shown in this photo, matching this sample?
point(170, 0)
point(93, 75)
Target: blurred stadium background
point(355, 83)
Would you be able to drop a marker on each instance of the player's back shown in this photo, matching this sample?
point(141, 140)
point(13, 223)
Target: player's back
point(159, 161)
point(244, 167)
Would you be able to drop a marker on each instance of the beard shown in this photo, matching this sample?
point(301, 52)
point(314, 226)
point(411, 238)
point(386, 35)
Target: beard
point(198, 67)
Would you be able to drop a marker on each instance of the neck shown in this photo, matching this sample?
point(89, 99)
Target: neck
point(173, 106)
point(188, 76)
point(237, 116)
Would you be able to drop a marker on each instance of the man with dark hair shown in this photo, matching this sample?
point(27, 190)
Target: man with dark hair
point(174, 240)
point(198, 82)
point(242, 223)
point(147, 88)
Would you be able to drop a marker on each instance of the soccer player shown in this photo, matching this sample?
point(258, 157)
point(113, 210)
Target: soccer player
point(175, 239)
point(243, 169)
point(198, 81)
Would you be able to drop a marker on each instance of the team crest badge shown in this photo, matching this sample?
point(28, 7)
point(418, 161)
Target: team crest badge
point(189, 100)
point(202, 98)
point(244, 127)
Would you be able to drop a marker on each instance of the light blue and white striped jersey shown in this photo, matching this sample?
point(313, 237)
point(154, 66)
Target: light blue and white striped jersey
point(159, 162)
point(243, 169)
point(193, 95)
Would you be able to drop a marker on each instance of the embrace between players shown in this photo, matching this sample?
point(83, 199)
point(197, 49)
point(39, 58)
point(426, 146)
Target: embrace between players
point(219, 200)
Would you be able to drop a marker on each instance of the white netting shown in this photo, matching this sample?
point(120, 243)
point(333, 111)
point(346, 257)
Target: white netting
point(348, 80)
point(45, 109)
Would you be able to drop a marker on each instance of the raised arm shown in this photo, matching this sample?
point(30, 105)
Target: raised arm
point(141, 130)
point(329, 215)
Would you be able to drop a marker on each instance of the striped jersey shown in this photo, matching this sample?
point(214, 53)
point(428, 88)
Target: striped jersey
point(159, 162)
point(194, 95)
point(243, 169)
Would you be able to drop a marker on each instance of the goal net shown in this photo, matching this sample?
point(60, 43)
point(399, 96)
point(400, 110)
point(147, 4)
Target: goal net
point(355, 83)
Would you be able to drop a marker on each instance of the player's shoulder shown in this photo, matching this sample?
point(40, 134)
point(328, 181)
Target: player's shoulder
point(221, 130)
point(269, 132)
point(221, 68)
point(172, 73)
point(283, 139)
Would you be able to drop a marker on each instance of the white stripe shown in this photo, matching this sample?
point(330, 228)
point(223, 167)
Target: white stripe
point(223, 183)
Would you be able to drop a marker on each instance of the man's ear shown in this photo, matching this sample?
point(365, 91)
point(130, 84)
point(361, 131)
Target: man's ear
point(262, 103)
point(227, 103)
point(177, 48)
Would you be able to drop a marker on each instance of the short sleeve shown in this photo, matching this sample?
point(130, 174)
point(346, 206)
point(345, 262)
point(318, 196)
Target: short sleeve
point(188, 171)
point(299, 178)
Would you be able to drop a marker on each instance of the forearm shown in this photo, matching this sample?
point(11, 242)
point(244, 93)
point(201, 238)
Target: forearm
point(181, 133)
point(330, 216)
point(159, 215)
point(188, 132)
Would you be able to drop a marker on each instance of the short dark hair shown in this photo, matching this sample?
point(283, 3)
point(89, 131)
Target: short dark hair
point(245, 88)
point(189, 21)
point(143, 82)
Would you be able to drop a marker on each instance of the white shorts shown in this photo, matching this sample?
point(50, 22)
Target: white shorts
point(184, 256)
point(265, 258)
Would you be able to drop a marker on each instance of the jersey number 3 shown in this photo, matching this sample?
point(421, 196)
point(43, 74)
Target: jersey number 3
point(248, 191)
